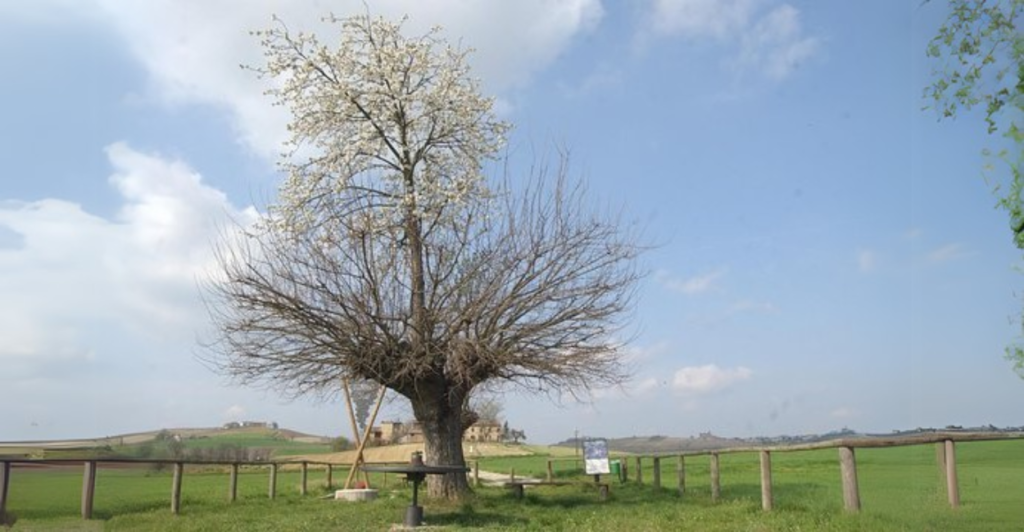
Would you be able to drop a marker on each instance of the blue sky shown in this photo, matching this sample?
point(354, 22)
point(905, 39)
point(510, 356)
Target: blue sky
point(827, 255)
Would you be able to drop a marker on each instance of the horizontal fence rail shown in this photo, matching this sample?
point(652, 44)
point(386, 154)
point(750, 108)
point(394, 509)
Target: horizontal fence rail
point(945, 452)
point(90, 467)
point(945, 443)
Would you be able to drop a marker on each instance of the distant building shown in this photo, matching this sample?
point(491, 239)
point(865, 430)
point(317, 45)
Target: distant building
point(396, 432)
point(250, 425)
point(390, 432)
point(484, 431)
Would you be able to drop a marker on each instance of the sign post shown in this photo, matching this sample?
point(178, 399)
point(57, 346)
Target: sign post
point(595, 456)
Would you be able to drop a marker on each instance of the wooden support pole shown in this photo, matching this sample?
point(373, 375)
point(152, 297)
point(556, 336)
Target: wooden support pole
point(716, 484)
point(766, 481)
point(625, 469)
point(233, 486)
point(350, 410)
point(952, 487)
point(272, 490)
point(362, 444)
point(656, 477)
point(5, 488)
point(848, 470)
point(551, 472)
point(639, 470)
point(512, 475)
point(88, 489)
point(179, 471)
point(330, 476)
point(681, 474)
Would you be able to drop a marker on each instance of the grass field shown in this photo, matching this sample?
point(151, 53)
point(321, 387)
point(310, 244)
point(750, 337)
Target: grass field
point(255, 439)
point(900, 490)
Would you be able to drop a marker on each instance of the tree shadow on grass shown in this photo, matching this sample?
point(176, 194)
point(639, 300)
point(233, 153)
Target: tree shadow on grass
point(467, 518)
point(510, 512)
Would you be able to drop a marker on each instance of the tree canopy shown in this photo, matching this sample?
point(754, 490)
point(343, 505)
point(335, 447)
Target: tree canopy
point(980, 55)
point(391, 257)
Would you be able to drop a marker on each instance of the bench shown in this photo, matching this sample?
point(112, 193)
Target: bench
point(518, 486)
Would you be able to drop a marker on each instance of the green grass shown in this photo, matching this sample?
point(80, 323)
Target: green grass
point(282, 446)
point(900, 490)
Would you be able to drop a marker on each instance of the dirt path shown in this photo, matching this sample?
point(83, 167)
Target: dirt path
point(491, 478)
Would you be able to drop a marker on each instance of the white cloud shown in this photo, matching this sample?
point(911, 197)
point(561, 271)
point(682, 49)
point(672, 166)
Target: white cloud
point(773, 42)
point(776, 44)
point(76, 281)
point(645, 386)
point(192, 49)
point(708, 378)
point(867, 260)
point(234, 413)
point(748, 305)
point(637, 354)
point(948, 252)
point(844, 412)
point(720, 19)
point(691, 286)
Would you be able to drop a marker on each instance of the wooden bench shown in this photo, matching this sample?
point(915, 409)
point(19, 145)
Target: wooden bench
point(518, 486)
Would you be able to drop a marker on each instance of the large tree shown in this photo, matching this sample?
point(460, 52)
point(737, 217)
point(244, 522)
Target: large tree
point(390, 257)
point(980, 55)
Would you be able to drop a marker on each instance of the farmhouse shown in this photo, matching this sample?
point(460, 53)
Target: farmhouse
point(411, 432)
point(484, 431)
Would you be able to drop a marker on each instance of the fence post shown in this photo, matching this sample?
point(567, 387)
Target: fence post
point(5, 485)
point(330, 476)
point(681, 474)
point(272, 491)
point(179, 471)
point(656, 479)
point(625, 470)
point(952, 488)
point(848, 470)
point(512, 474)
point(766, 480)
point(302, 485)
point(551, 472)
point(88, 489)
point(639, 470)
point(716, 485)
point(233, 486)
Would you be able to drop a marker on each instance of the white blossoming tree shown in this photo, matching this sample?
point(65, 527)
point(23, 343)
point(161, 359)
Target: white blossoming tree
point(389, 257)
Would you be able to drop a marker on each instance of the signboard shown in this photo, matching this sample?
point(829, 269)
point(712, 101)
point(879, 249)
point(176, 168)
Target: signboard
point(595, 455)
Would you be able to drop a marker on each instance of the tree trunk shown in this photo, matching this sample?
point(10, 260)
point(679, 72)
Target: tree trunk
point(440, 415)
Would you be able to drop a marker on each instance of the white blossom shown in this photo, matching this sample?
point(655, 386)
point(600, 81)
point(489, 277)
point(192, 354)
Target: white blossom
point(396, 121)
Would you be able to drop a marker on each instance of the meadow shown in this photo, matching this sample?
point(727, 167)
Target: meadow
point(901, 489)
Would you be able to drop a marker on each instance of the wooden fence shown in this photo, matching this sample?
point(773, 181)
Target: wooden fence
point(945, 456)
point(945, 452)
point(90, 467)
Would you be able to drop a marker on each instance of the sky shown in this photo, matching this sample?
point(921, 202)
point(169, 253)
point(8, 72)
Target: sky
point(826, 251)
